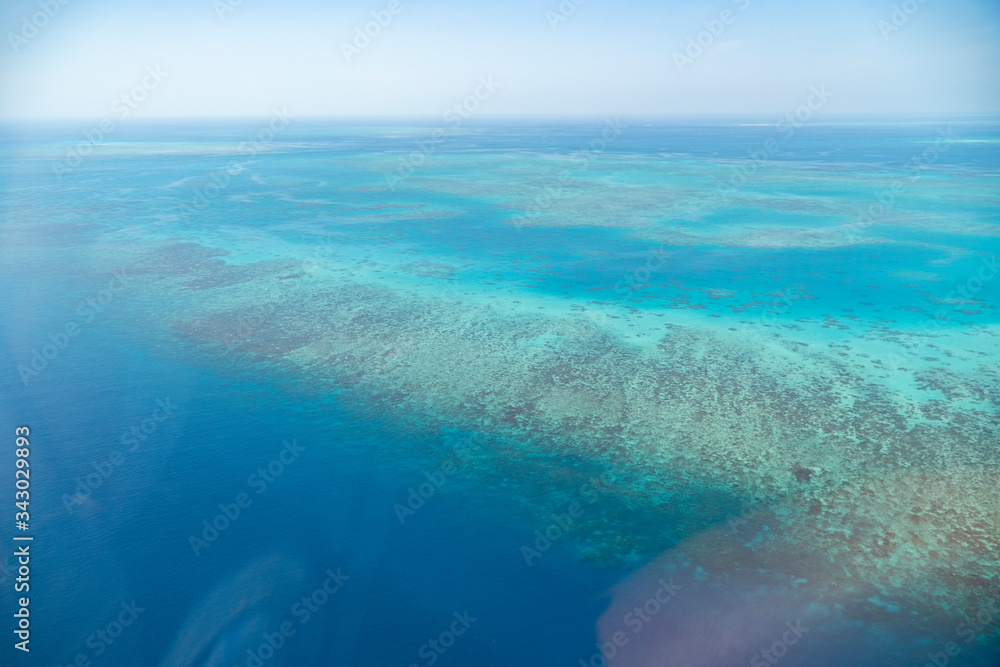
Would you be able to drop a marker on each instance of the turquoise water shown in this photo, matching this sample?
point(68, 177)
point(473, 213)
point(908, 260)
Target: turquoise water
point(630, 315)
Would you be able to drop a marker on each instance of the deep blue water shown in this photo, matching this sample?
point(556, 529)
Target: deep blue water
point(332, 508)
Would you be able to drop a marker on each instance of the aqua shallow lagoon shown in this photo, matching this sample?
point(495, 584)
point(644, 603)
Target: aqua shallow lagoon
point(620, 312)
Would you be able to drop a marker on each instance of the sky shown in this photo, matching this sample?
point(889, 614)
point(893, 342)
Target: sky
point(541, 57)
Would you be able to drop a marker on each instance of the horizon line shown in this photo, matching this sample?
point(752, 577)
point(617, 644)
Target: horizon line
point(755, 115)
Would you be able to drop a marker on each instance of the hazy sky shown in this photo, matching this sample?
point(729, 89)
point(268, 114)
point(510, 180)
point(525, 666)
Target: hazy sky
point(606, 57)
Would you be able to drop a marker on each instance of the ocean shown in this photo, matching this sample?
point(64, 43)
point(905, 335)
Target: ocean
point(313, 392)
